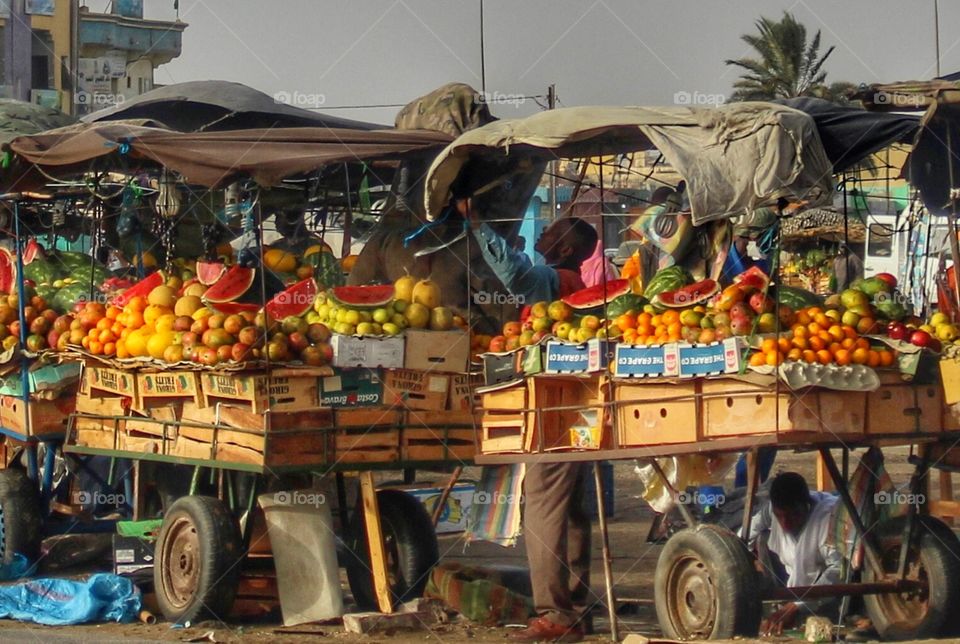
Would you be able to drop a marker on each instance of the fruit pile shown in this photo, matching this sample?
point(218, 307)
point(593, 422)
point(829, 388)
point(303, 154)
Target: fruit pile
point(384, 309)
point(44, 325)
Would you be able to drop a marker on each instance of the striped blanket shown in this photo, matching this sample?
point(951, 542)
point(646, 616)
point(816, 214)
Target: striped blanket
point(495, 512)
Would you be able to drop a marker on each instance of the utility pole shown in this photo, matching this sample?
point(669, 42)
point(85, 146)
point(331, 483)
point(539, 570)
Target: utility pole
point(17, 47)
point(552, 104)
point(936, 32)
point(483, 70)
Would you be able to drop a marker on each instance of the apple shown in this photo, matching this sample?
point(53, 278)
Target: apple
point(920, 338)
point(897, 331)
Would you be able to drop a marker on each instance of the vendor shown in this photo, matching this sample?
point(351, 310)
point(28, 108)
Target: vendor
point(556, 527)
point(751, 244)
point(796, 525)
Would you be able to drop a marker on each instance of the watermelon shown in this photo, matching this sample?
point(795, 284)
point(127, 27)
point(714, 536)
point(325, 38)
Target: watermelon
point(234, 283)
point(41, 271)
point(624, 303)
point(690, 295)
point(8, 271)
point(666, 279)
point(363, 297)
point(797, 298)
point(232, 308)
point(141, 288)
point(32, 251)
point(593, 296)
point(754, 277)
point(209, 272)
point(326, 269)
point(296, 300)
point(65, 298)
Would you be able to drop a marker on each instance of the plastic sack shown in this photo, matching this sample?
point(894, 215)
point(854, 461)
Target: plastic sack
point(19, 567)
point(62, 602)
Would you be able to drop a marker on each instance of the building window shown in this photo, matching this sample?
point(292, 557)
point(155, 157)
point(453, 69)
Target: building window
point(881, 241)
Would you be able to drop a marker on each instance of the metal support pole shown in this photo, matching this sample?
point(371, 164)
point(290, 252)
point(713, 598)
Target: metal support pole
point(445, 494)
point(869, 550)
point(919, 475)
point(195, 480)
point(684, 510)
point(342, 506)
point(753, 478)
point(607, 564)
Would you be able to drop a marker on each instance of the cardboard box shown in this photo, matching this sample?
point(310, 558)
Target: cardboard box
point(49, 377)
point(842, 412)
point(352, 388)
point(371, 352)
point(447, 351)
point(950, 377)
point(733, 407)
point(416, 389)
point(710, 359)
point(502, 367)
point(132, 555)
point(900, 407)
point(585, 357)
point(46, 418)
point(456, 510)
point(281, 390)
point(117, 382)
point(168, 384)
point(647, 413)
point(463, 391)
point(639, 361)
point(156, 421)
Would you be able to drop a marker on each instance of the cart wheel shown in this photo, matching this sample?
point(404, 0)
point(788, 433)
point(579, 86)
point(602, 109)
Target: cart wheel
point(196, 569)
point(934, 559)
point(21, 524)
point(411, 547)
point(706, 586)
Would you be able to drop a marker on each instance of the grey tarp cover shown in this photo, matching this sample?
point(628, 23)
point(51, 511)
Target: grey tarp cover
point(210, 158)
point(734, 158)
point(18, 118)
point(936, 155)
point(219, 105)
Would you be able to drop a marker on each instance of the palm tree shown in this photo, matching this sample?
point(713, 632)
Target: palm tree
point(788, 66)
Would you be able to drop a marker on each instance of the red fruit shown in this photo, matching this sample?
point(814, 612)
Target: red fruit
point(497, 343)
point(14, 328)
point(240, 352)
point(741, 310)
point(318, 333)
point(896, 331)
point(206, 355)
point(50, 315)
point(36, 343)
point(53, 338)
point(62, 323)
point(225, 352)
point(935, 344)
point(920, 338)
point(39, 326)
point(760, 303)
point(888, 278)
point(298, 341)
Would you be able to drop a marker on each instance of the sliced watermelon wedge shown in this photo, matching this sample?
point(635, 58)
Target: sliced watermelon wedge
point(595, 296)
point(234, 283)
point(209, 272)
point(233, 308)
point(143, 288)
point(363, 297)
point(8, 270)
point(687, 296)
point(296, 300)
point(32, 251)
point(754, 277)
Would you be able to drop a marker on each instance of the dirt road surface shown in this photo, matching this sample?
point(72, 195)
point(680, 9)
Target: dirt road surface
point(634, 562)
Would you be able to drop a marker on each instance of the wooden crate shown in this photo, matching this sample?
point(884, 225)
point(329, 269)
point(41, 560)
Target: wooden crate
point(440, 435)
point(280, 390)
point(160, 421)
point(463, 391)
point(104, 382)
point(369, 444)
point(651, 413)
point(559, 404)
point(740, 408)
point(95, 422)
point(166, 385)
point(36, 418)
point(503, 419)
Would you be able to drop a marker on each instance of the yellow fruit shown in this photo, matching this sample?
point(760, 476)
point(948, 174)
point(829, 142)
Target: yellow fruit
point(175, 283)
point(441, 319)
point(317, 248)
point(154, 312)
point(136, 343)
point(939, 318)
point(149, 261)
point(159, 342)
point(201, 313)
point(417, 315)
point(165, 322)
point(196, 289)
point(163, 296)
point(280, 261)
point(403, 288)
point(427, 293)
point(187, 305)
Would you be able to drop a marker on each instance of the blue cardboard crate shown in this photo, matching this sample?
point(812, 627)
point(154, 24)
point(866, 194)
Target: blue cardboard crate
point(640, 361)
point(585, 357)
point(714, 358)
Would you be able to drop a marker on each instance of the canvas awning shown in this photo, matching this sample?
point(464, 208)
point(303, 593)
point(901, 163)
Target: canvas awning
point(208, 158)
point(734, 158)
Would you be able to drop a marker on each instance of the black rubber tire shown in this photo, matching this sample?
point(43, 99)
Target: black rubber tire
point(928, 614)
point(197, 560)
point(21, 523)
point(711, 569)
point(411, 544)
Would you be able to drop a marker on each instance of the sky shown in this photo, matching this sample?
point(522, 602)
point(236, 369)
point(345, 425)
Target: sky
point(328, 54)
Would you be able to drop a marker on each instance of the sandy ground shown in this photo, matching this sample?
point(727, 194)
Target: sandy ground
point(634, 562)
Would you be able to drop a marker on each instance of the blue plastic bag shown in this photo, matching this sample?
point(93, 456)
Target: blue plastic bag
point(61, 602)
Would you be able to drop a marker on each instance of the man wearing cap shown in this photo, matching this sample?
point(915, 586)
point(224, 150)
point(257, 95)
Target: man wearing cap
point(556, 527)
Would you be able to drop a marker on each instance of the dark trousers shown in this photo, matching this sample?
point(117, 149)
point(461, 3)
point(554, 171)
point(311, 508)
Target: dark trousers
point(557, 535)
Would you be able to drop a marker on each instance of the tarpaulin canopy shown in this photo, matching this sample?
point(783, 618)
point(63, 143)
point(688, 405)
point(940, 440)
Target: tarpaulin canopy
point(221, 105)
point(210, 158)
point(18, 118)
point(734, 158)
point(849, 134)
point(933, 166)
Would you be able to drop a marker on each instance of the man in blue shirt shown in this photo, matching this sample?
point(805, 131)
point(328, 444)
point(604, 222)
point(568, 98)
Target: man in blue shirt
point(556, 527)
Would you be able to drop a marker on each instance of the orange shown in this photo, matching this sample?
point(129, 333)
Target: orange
point(674, 328)
point(817, 343)
point(758, 359)
point(814, 328)
point(103, 324)
point(656, 320)
point(116, 328)
point(803, 317)
point(673, 337)
point(113, 312)
point(626, 321)
point(800, 343)
point(809, 355)
point(799, 331)
point(863, 343)
point(873, 358)
point(137, 304)
point(849, 331)
point(886, 358)
point(708, 335)
point(96, 347)
point(644, 318)
point(836, 332)
point(670, 316)
point(825, 336)
point(774, 358)
point(842, 357)
point(860, 355)
point(85, 342)
point(784, 345)
point(106, 336)
point(121, 347)
point(848, 343)
point(822, 320)
point(109, 348)
point(768, 345)
point(630, 336)
point(814, 311)
point(134, 320)
point(644, 328)
point(834, 347)
point(824, 356)
point(795, 354)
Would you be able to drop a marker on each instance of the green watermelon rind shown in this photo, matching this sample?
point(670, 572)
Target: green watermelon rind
point(797, 298)
point(666, 279)
point(228, 287)
point(295, 300)
point(363, 297)
point(327, 270)
point(624, 303)
point(594, 296)
point(699, 295)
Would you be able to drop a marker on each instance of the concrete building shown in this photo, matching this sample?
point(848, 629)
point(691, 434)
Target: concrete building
point(62, 54)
